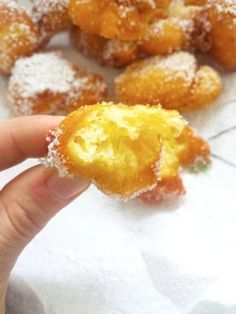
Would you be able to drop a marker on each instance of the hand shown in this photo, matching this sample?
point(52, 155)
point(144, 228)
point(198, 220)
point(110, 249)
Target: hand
point(32, 198)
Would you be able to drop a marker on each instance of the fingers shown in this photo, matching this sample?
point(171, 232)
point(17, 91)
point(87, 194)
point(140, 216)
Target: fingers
point(24, 137)
point(26, 205)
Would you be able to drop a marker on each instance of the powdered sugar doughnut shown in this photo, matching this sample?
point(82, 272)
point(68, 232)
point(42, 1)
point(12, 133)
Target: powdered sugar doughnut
point(18, 36)
point(175, 81)
point(48, 83)
point(50, 16)
point(119, 147)
point(119, 19)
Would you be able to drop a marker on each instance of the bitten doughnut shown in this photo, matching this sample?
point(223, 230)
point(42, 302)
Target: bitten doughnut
point(50, 16)
point(219, 26)
point(122, 149)
point(18, 36)
point(112, 52)
point(175, 81)
point(48, 83)
point(119, 19)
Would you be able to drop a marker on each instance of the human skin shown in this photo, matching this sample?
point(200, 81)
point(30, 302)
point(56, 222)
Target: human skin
point(30, 200)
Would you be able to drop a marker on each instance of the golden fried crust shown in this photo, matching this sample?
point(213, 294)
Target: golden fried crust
point(195, 150)
point(51, 17)
point(120, 19)
point(188, 150)
point(195, 2)
point(117, 146)
point(165, 189)
point(33, 90)
point(174, 81)
point(89, 44)
point(18, 36)
point(164, 37)
point(221, 16)
point(112, 52)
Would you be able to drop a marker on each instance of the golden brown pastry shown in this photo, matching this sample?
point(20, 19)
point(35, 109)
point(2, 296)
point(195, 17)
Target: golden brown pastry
point(48, 83)
point(119, 19)
point(18, 36)
point(176, 81)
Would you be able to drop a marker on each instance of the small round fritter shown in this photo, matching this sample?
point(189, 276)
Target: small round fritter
point(116, 19)
point(48, 83)
point(18, 36)
point(175, 81)
point(51, 17)
point(120, 148)
point(218, 23)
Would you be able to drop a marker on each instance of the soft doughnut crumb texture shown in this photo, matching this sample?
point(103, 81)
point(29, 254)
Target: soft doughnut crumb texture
point(18, 35)
point(50, 16)
point(49, 83)
point(121, 148)
point(120, 19)
point(175, 81)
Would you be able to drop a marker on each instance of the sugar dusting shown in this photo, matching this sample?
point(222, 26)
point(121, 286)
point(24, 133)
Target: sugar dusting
point(54, 159)
point(48, 73)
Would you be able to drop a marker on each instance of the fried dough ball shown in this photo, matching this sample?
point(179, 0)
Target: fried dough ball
point(218, 22)
point(112, 52)
point(51, 17)
point(175, 81)
point(188, 150)
point(118, 147)
point(48, 83)
point(119, 19)
point(18, 36)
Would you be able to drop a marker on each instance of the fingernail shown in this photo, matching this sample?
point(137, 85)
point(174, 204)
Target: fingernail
point(66, 188)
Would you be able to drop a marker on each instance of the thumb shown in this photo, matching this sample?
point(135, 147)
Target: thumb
point(27, 203)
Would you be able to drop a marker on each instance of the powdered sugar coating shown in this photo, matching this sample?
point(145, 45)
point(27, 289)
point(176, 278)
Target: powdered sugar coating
point(47, 82)
point(51, 16)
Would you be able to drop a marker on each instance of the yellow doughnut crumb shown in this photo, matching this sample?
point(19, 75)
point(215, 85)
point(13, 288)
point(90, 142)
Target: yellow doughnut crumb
point(18, 36)
point(175, 81)
point(51, 17)
point(48, 83)
point(122, 149)
point(119, 19)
